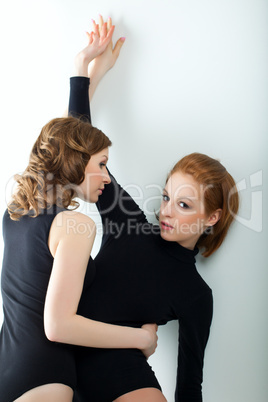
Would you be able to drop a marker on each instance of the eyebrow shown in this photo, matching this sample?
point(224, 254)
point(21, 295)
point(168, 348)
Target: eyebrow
point(186, 198)
point(181, 197)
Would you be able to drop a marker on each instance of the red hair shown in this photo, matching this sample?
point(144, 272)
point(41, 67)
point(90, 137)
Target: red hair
point(220, 192)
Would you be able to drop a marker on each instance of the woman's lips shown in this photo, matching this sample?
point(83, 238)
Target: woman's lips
point(166, 226)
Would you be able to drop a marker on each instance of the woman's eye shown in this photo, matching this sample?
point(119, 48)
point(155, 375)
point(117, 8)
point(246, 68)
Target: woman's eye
point(165, 197)
point(183, 205)
point(102, 164)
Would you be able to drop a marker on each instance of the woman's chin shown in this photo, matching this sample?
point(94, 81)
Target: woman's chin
point(166, 235)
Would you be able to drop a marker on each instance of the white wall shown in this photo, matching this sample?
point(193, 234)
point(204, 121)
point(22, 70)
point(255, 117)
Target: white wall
point(192, 76)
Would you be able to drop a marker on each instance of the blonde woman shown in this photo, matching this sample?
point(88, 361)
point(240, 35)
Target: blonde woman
point(47, 263)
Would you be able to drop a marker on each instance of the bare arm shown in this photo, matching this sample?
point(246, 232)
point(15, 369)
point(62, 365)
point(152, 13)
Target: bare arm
point(100, 65)
point(70, 241)
point(98, 40)
point(98, 56)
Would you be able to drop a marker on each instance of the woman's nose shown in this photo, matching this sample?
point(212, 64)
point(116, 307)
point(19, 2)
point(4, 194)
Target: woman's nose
point(167, 209)
point(106, 178)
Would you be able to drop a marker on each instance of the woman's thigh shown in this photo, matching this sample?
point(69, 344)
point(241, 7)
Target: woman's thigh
point(48, 392)
point(144, 395)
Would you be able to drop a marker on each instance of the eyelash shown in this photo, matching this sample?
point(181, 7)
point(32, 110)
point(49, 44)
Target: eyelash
point(165, 197)
point(181, 203)
point(185, 206)
point(102, 164)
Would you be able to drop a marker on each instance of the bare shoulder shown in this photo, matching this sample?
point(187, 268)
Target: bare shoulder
point(71, 227)
point(73, 219)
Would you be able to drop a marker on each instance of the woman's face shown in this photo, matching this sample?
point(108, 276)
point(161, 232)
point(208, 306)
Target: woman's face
point(182, 215)
point(96, 176)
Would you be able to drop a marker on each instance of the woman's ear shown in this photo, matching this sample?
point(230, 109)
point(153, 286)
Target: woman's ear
point(214, 217)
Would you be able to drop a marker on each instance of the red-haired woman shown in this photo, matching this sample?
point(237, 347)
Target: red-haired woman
point(47, 264)
point(147, 273)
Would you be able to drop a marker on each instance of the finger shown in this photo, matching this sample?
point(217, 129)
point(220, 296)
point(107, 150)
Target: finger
point(109, 23)
point(107, 41)
point(100, 23)
point(93, 24)
point(110, 33)
point(103, 32)
point(116, 52)
point(90, 37)
point(95, 27)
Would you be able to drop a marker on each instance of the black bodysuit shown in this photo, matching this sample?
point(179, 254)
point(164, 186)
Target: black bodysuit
point(140, 278)
point(27, 358)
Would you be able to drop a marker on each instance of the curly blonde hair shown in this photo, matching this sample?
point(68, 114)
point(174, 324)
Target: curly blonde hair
point(56, 165)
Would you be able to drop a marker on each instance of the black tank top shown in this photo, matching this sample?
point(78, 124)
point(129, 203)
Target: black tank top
point(27, 358)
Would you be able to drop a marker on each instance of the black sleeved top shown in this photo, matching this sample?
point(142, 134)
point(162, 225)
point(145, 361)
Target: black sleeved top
point(141, 278)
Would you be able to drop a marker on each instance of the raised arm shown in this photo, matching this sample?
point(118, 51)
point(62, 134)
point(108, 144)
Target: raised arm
point(100, 65)
point(78, 99)
point(91, 64)
point(98, 40)
point(115, 204)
